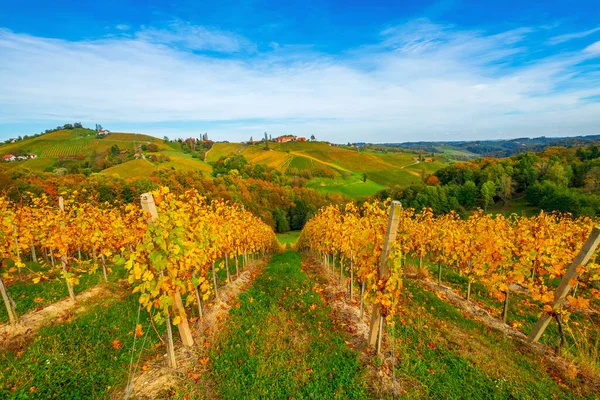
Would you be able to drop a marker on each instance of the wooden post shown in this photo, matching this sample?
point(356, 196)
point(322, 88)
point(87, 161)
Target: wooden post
point(148, 205)
point(12, 315)
point(33, 255)
point(16, 234)
point(351, 275)
point(170, 345)
point(216, 283)
point(63, 259)
point(198, 298)
point(563, 289)
point(390, 238)
point(183, 326)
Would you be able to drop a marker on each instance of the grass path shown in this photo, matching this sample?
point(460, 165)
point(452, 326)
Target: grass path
point(280, 342)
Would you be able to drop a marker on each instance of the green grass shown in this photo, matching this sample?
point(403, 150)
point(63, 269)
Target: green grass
point(400, 177)
point(219, 150)
point(516, 206)
point(132, 168)
point(76, 359)
point(29, 296)
point(280, 342)
point(523, 312)
point(288, 237)
point(350, 186)
point(444, 354)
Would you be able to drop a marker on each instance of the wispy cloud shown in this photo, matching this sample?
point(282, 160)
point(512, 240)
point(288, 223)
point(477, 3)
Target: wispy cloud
point(192, 37)
point(123, 27)
point(570, 36)
point(421, 81)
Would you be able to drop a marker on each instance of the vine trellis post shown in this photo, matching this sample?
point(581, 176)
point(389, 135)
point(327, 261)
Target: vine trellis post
point(148, 205)
point(377, 317)
point(563, 289)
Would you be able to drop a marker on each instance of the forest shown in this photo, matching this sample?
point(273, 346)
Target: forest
point(556, 179)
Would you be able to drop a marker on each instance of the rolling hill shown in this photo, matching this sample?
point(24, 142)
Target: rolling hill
point(328, 168)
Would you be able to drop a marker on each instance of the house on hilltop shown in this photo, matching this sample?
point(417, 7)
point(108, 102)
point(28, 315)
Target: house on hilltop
point(9, 157)
point(285, 138)
point(428, 159)
point(301, 139)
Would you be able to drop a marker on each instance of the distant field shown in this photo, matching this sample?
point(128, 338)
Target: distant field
point(515, 206)
point(219, 150)
point(351, 186)
point(131, 169)
point(36, 164)
point(274, 159)
point(184, 161)
point(396, 177)
point(288, 237)
point(68, 147)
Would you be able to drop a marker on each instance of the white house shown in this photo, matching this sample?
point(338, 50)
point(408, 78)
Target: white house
point(9, 157)
point(32, 155)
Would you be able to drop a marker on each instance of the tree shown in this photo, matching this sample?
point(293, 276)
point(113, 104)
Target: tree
point(592, 180)
point(364, 176)
point(281, 222)
point(298, 215)
point(165, 138)
point(432, 180)
point(467, 194)
point(78, 125)
point(505, 188)
point(488, 190)
point(251, 139)
point(266, 142)
point(312, 138)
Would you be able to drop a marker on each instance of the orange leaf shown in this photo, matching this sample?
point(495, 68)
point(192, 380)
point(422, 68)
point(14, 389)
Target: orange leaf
point(117, 344)
point(138, 330)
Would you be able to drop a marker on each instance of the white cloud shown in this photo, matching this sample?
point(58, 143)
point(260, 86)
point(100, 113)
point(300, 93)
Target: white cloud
point(593, 48)
point(123, 27)
point(421, 82)
point(570, 36)
point(192, 37)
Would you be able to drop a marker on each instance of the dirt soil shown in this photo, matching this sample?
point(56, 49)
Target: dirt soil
point(30, 323)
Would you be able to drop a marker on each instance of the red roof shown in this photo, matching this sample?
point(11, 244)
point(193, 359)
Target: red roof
point(6, 157)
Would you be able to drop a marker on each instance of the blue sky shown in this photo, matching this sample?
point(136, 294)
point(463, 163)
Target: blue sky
point(341, 70)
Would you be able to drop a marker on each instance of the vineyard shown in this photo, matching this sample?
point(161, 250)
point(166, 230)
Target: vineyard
point(68, 148)
point(518, 259)
point(171, 287)
point(174, 249)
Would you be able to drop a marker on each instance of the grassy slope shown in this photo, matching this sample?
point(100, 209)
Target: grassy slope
point(443, 354)
point(76, 358)
point(281, 343)
point(223, 149)
point(133, 168)
point(288, 237)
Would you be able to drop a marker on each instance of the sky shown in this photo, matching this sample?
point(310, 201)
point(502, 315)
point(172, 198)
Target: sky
point(344, 71)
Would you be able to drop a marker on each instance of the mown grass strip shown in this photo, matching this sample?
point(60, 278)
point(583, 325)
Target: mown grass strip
point(280, 342)
point(84, 358)
point(443, 354)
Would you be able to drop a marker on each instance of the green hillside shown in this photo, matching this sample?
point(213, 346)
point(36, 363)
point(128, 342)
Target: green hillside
point(336, 169)
point(327, 168)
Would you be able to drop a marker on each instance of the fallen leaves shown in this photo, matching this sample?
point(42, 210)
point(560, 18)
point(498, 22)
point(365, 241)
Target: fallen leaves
point(138, 330)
